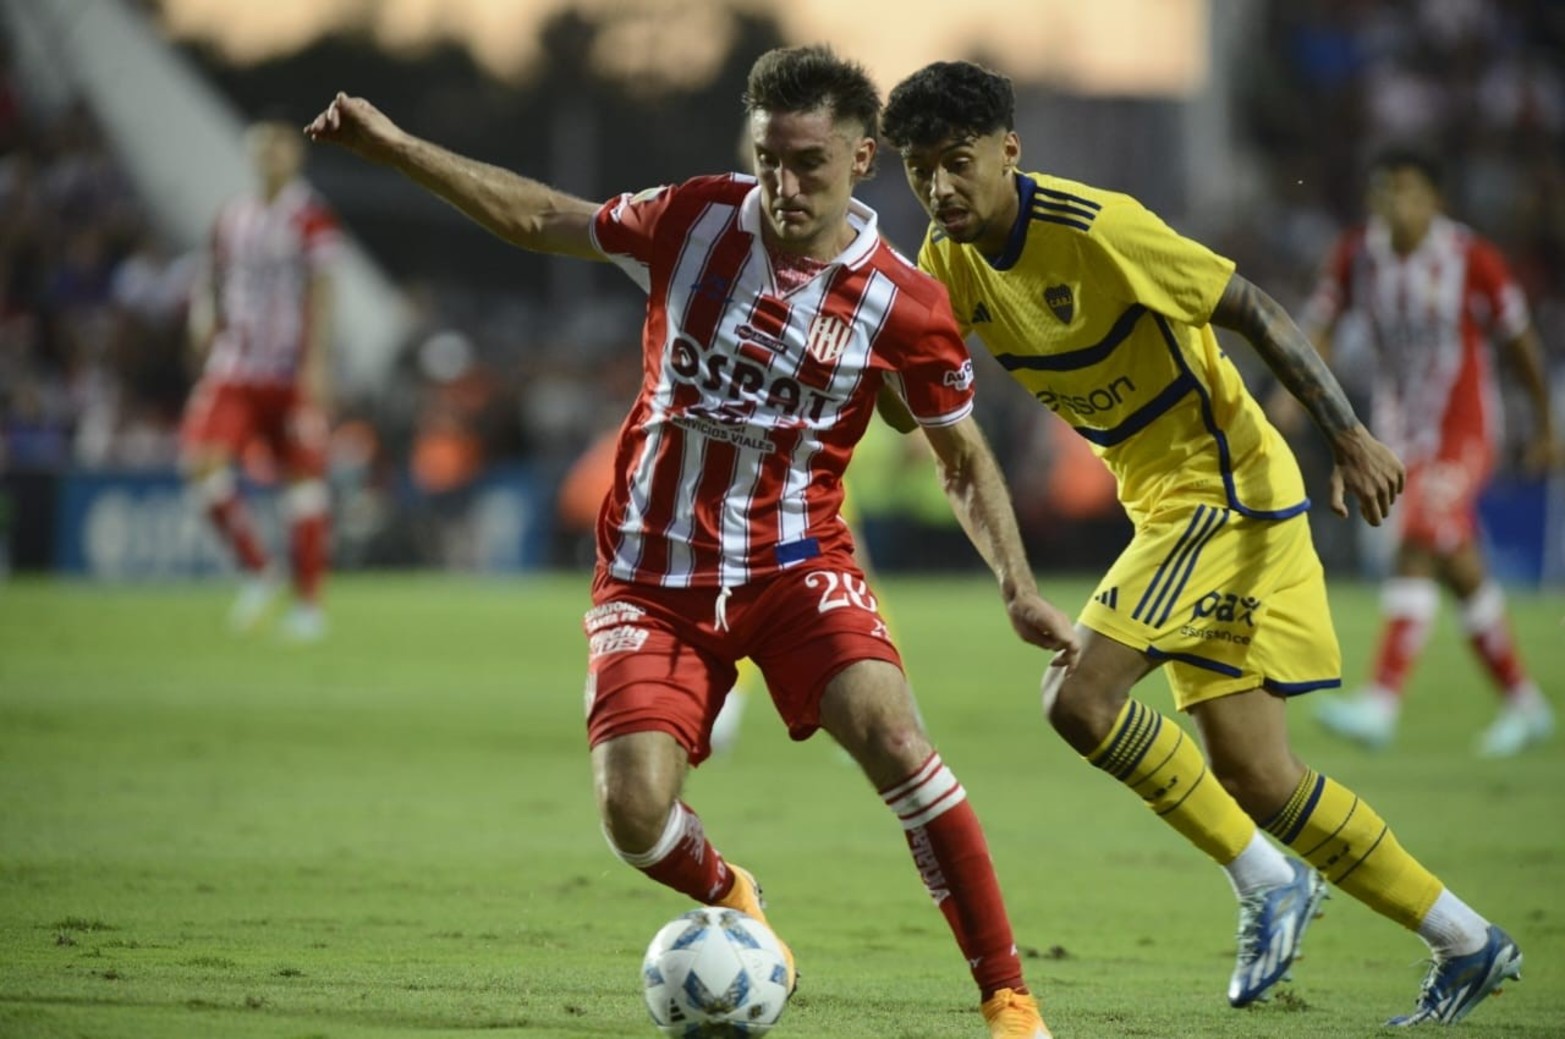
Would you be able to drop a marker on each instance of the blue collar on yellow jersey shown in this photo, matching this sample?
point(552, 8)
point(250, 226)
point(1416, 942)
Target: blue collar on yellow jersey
point(1013, 245)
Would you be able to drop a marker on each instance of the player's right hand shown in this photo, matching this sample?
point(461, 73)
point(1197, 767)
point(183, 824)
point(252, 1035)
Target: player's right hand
point(356, 125)
point(1043, 624)
point(1368, 470)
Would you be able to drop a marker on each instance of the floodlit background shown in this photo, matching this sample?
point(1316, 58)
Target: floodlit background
point(473, 376)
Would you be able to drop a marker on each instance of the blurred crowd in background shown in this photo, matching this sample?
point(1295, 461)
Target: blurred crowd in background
point(514, 361)
point(1478, 85)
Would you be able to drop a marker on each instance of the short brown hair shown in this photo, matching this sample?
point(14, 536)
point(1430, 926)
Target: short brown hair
point(802, 79)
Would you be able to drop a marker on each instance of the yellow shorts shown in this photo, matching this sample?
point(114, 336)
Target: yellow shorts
point(1229, 603)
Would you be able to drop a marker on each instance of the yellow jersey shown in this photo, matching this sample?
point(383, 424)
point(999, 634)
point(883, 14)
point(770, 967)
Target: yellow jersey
point(1102, 311)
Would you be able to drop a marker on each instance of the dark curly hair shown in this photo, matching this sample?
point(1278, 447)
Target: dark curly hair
point(1404, 157)
point(948, 99)
point(802, 79)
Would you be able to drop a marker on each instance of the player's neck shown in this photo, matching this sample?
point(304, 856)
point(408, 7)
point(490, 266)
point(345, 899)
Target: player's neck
point(271, 189)
point(824, 247)
point(1405, 241)
point(997, 234)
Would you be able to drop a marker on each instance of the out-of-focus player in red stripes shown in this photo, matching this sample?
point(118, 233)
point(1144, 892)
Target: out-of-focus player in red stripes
point(261, 321)
point(1434, 294)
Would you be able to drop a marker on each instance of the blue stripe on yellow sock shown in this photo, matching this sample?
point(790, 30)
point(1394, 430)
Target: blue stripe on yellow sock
point(1290, 819)
point(1137, 750)
point(1138, 728)
point(1384, 830)
point(1328, 838)
point(1131, 727)
point(1192, 788)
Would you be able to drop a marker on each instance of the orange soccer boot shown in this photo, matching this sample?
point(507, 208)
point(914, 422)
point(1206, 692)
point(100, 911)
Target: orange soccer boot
point(745, 896)
point(1014, 1015)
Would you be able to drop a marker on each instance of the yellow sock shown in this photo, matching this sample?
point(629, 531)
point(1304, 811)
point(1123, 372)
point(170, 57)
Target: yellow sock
point(1341, 836)
point(1153, 756)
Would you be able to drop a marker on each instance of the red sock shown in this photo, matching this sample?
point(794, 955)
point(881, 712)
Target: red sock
point(952, 857)
point(684, 859)
point(1409, 605)
point(231, 520)
point(309, 537)
point(306, 503)
point(1489, 633)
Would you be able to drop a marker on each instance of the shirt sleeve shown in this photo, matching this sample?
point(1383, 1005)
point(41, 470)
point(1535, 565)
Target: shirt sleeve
point(1491, 277)
point(321, 237)
point(625, 228)
point(1133, 252)
point(935, 375)
point(1333, 294)
point(936, 263)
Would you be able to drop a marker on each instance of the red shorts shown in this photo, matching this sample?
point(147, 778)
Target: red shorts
point(658, 661)
point(231, 414)
point(1439, 506)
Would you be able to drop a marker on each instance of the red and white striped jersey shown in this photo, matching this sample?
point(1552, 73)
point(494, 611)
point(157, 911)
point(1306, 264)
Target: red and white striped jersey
point(263, 258)
point(729, 466)
point(1428, 314)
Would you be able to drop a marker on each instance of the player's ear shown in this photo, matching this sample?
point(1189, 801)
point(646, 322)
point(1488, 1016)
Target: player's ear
point(1011, 150)
point(863, 157)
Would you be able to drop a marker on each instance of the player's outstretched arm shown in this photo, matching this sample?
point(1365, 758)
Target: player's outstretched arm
point(983, 506)
point(1366, 468)
point(1543, 450)
point(522, 211)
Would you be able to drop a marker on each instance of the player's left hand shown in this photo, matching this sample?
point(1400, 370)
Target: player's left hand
point(1368, 470)
point(358, 126)
point(1043, 624)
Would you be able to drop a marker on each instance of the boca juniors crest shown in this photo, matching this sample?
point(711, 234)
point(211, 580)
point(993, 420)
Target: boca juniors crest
point(1061, 300)
point(828, 337)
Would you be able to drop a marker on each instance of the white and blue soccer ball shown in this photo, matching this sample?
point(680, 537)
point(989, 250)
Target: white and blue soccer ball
point(715, 974)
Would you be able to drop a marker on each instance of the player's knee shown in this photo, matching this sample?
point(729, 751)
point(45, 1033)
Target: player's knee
point(1079, 711)
point(211, 482)
point(1053, 680)
point(891, 747)
point(306, 498)
point(634, 814)
point(868, 709)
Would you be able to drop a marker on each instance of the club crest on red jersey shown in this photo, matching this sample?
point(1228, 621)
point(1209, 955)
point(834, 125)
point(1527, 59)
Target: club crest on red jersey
point(828, 338)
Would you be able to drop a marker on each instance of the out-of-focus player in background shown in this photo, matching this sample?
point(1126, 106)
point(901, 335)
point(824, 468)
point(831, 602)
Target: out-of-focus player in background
point(1434, 294)
point(1105, 314)
point(774, 315)
point(260, 323)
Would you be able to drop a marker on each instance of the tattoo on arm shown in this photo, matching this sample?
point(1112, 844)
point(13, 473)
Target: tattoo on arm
point(1287, 352)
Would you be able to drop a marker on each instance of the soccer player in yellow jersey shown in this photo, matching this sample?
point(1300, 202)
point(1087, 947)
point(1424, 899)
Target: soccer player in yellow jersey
point(1105, 314)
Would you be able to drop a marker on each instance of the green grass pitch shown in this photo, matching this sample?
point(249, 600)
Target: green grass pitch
point(392, 834)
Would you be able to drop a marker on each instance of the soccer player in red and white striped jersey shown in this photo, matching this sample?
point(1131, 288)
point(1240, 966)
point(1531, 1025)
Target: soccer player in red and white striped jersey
point(775, 315)
point(1434, 295)
point(263, 327)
